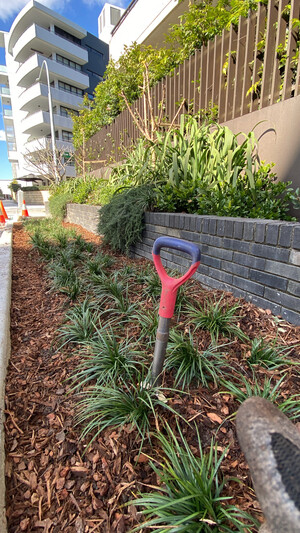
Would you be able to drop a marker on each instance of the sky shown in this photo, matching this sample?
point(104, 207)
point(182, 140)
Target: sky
point(83, 12)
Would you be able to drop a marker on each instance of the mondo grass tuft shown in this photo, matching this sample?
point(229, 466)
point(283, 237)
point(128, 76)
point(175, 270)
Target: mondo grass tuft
point(191, 364)
point(106, 360)
point(269, 354)
point(115, 406)
point(82, 321)
point(243, 388)
point(190, 496)
point(217, 318)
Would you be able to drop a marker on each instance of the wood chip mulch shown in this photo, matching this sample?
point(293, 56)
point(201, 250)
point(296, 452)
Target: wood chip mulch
point(52, 486)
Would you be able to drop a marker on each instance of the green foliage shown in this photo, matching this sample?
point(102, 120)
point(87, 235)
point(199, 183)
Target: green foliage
point(190, 496)
point(121, 220)
point(81, 324)
point(58, 204)
point(269, 354)
point(217, 318)
point(192, 364)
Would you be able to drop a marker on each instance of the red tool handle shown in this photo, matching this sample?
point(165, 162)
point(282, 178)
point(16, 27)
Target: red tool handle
point(170, 285)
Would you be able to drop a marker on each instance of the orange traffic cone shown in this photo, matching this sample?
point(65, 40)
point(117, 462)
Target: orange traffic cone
point(2, 219)
point(24, 210)
point(3, 210)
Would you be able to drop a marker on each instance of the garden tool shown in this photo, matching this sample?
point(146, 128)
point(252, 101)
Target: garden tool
point(271, 444)
point(170, 287)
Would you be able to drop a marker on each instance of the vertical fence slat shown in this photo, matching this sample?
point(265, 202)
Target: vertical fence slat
point(209, 75)
point(249, 55)
point(202, 78)
point(291, 49)
point(280, 39)
point(196, 83)
point(297, 81)
point(260, 27)
point(269, 55)
point(216, 70)
point(240, 59)
point(222, 93)
point(230, 74)
point(190, 63)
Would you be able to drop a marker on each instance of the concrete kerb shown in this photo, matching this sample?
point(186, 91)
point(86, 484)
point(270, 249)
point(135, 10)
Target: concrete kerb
point(5, 299)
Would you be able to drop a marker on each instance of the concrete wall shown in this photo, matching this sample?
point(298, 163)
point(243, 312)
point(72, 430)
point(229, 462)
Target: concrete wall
point(258, 260)
point(278, 133)
point(84, 215)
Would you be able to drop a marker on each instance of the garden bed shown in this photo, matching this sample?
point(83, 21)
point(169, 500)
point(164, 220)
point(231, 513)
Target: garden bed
point(58, 482)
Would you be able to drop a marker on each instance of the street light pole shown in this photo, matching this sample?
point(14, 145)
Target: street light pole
point(44, 64)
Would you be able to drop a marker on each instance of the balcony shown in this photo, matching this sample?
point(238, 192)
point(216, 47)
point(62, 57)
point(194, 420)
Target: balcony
point(36, 97)
point(38, 124)
point(3, 75)
point(7, 116)
point(38, 38)
point(45, 142)
point(30, 70)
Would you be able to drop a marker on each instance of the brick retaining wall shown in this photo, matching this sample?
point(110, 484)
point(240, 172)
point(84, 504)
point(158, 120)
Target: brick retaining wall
point(258, 260)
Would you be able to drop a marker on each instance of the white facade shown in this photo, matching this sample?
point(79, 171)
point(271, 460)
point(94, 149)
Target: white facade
point(39, 34)
point(107, 20)
point(147, 22)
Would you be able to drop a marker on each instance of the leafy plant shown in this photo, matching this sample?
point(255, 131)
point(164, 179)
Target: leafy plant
point(99, 263)
point(121, 220)
point(105, 360)
point(191, 364)
point(82, 321)
point(268, 354)
point(190, 497)
point(218, 318)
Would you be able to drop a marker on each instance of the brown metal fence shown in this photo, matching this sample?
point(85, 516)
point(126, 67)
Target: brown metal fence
point(244, 69)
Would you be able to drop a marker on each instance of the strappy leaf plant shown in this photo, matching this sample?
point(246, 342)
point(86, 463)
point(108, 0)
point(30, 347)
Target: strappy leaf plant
point(81, 324)
point(190, 497)
point(269, 354)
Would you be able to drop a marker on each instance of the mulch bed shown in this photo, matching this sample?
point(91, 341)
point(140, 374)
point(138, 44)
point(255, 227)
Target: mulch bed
point(52, 487)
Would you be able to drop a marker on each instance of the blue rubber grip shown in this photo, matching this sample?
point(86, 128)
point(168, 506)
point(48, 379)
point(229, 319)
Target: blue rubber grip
point(177, 244)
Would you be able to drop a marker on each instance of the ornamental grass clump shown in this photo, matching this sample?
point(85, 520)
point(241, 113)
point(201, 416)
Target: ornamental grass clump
point(190, 497)
point(269, 354)
point(191, 364)
point(218, 318)
point(81, 324)
point(105, 360)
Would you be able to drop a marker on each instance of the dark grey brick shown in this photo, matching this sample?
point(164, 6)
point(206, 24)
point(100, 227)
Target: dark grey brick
point(229, 225)
point(285, 236)
point(238, 293)
point(211, 282)
point(221, 253)
point(193, 219)
point(272, 233)
point(205, 225)
point(211, 261)
point(221, 275)
point(291, 316)
point(172, 220)
point(233, 244)
point(296, 239)
point(239, 270)
point(268, 279)
point(188, 235)
point(238, 229)
point(212, 240)
point(212, 226)
point(270, 252)
point(249, 260)
point(248, 231)
point(291, 302)
point(176, 223)
point(260, 229)
point(199, 224)
point(294, 289)
point(186, 222)
point(281, 269)
point(220, 227)
point(203, 269)
point(248, 286)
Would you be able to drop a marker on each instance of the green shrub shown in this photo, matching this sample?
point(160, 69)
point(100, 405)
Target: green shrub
point(121, 220)
point(58, 204)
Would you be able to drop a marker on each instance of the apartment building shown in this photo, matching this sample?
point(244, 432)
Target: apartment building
point(76, 62)
point(144, 21)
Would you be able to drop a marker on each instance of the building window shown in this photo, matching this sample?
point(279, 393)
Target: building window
point(70, 88)
point(115, 15)
point(93, 50)
point(67, 62)
point(67, 112)
point(67, 136)
point(66, 35)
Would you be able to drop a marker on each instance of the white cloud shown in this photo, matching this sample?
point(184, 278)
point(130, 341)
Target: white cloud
point(117, 3)
point(2, 135)
point(8, 9)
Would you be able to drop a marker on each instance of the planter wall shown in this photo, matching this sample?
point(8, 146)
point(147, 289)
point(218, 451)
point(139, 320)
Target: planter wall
point(258, 260)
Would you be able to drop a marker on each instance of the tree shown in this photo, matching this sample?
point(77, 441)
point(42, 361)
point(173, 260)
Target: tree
point(42, 162)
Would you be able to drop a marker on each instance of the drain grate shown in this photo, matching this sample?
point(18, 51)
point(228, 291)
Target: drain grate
point(287, 457)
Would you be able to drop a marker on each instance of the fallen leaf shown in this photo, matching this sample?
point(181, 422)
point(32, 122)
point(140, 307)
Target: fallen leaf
point(214, 417)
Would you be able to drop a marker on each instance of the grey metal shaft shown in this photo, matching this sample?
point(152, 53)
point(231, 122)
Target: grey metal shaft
point(162, 337)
